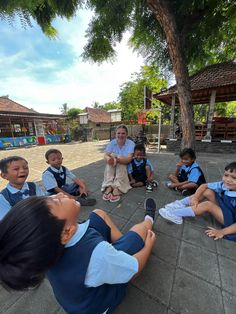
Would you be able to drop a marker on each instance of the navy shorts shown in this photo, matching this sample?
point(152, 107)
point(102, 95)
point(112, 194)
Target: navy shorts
point(130, 243)
point(229, 218)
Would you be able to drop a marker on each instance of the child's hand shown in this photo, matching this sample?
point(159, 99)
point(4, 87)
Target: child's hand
point(151, 238)
point(179, 164)
point(83, 191)
point(214, 233)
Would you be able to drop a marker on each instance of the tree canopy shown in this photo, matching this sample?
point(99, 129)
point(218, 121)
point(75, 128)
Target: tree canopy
point(207, 30)
point(131, 96)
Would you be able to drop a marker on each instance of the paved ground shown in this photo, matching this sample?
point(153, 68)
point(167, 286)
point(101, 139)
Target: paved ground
point(187, 272)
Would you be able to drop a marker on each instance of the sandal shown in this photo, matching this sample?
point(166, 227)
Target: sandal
point(106, 196)
point(114, 198)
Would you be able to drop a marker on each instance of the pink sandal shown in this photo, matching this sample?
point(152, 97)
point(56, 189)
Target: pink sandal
point(106, 196)
point(114, 198)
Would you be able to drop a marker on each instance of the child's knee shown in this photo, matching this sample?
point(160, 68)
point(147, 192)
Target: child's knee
point(100, 213)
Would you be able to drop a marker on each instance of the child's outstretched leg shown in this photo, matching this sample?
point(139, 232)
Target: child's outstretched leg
point(175, 214)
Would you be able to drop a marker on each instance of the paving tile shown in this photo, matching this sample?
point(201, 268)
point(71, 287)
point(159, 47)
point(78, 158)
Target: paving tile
point(201, 221)
point(227, 273)
point(229, 303)
point(138, 302)
point(192, 295)
point(166, 248)
point(196, 235)
point(156, 280)
point(36, 301)
point(125, 209)
point(168, 228)
point(119, 221)
point(199, 262)
point(226, 248)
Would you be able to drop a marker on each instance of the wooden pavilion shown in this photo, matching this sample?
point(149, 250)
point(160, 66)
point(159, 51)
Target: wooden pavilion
point(214, 83)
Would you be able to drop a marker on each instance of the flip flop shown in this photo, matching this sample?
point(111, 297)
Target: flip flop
point(106, 196)
point(114, 198)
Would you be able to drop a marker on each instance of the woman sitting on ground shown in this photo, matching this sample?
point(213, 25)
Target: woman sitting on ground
point(118, 155)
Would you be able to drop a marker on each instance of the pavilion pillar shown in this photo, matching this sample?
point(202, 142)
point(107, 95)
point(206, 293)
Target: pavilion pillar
point(210, 115)
point(172, 117)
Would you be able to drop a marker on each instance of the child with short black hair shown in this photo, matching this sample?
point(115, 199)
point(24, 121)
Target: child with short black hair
point(56, 179)
point(87, 264)
point(15, 170)
point(221, 203)
point(140, 170)
point(188, 175)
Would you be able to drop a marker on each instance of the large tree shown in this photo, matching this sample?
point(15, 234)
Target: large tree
point(185, 32)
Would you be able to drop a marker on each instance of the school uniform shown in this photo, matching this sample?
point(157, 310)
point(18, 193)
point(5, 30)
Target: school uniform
point(227, 202)
point(10, 196)
point(191, 173)
point(92, 275)
point(138, 169)
point(62, 178)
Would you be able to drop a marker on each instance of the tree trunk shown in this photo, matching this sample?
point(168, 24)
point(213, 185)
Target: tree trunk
point(166, 19)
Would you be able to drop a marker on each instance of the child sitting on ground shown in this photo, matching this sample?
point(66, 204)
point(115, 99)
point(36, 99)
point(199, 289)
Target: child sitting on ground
point(221, 203)
point(15, 170)
point(140, 170)
point(56, 179)
point(188, 175)
point(87, 264)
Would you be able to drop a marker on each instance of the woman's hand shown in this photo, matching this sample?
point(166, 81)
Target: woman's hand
point(111, 161)
point(214, 233)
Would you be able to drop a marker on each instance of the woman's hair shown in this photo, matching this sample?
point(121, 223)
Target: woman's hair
point(5, 162)
point(30, 243)
point(188, 152)
point(231, 167)
point(122, 126)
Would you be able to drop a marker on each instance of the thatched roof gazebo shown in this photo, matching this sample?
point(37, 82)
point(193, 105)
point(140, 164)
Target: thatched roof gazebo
point(214, 83)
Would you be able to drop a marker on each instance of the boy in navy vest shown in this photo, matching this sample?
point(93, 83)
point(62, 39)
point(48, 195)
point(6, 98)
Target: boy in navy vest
point(56, 179)
point(15, 170)
point(188, 175)
point(88, 264)
point(140, 170)
point(220, 202)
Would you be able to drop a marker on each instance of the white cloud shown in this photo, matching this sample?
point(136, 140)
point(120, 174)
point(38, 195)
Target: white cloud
point(79, 83)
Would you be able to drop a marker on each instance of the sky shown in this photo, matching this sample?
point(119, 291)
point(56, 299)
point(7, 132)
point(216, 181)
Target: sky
point(43, 74)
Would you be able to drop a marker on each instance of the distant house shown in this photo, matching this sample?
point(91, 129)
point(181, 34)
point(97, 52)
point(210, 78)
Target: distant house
point(20, 126)
point(98, 122)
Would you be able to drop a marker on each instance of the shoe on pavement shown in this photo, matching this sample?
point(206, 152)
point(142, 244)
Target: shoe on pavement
point(169, 215)
point(85, 201)
point(187, 192)
point(149, 187)
point(150, 207)
point(155, 183)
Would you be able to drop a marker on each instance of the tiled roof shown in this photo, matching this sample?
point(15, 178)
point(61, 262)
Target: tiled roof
point(220, 76)
point(98, 115)
point(6, 104)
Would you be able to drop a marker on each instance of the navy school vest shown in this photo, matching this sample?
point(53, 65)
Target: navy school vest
point(183, 175)
point(59, 177)
point(68, 275)
point(139, 171)
point(14, 198)
point(229, 203)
